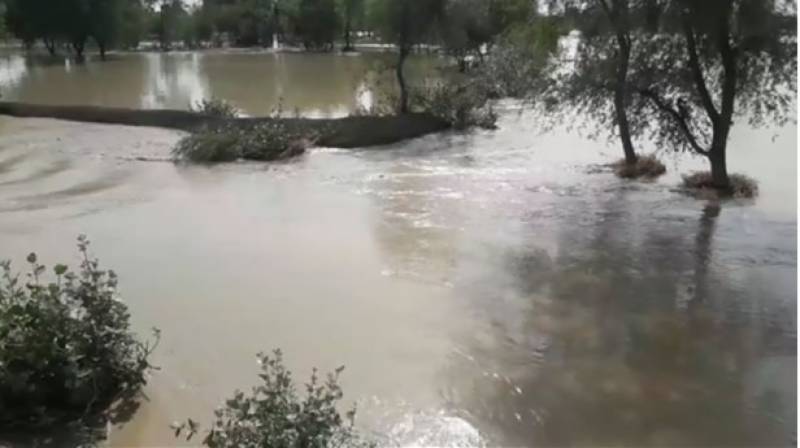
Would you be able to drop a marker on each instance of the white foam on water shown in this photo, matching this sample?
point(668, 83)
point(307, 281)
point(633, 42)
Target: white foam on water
point(434, 430)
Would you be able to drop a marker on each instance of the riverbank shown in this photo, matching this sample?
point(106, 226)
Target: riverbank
point(346, 132)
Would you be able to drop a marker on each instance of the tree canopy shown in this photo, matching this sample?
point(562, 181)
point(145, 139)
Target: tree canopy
point(693, 67)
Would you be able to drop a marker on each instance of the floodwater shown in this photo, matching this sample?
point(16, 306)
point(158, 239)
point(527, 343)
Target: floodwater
point(484, 289)
point(259, 83)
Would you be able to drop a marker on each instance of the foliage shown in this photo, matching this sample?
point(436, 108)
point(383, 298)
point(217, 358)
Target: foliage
point(274, 415)
point(694, 66)
point(245, 22)
point(266, 141)
point(745, 54)
point(406, 23)
point(74, 21)
point(66, 350)
point(132, 26)
point(171, 23)
point(701, 184)
point(519, 57)
point(316, 24)
point(463, 105)
point(216, 107)
point(647, 166)
point(467, 27)
point(352, 14)
point(598, 84)
point(106, 22)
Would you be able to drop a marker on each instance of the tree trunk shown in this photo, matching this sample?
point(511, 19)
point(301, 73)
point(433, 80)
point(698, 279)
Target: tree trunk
point(78, 45)
point(462, 63)
point(722, 126)
point(348, 46)
point(719, 169)
point(102, 47)
point(402, 80)
point(620, 96)
point(617, 14)
point(50, 44)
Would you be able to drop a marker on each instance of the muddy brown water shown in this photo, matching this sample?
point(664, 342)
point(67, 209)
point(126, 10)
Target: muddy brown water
point(484, 289)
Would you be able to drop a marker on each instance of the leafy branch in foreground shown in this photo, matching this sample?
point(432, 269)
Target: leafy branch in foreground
point(67, 354)
point(274, 415)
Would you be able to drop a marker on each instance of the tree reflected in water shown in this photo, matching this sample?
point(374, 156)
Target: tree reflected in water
point(629, 333)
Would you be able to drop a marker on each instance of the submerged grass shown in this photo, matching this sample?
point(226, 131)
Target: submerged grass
point(701, 184)
point(647, 167)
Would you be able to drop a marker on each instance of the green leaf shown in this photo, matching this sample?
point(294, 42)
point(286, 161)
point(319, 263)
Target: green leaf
point(60, 269)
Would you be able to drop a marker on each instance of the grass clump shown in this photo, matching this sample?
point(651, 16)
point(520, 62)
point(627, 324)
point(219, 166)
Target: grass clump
point(462, 105)
point(275, 415)
point(701, 184)
point(267, 141)
point(648, 167)
point(67, 354)
point(216, 108)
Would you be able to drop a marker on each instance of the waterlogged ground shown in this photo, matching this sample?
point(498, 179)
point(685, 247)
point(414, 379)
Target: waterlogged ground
point(486, 289)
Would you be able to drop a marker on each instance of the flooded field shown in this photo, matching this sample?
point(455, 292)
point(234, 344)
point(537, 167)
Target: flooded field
point(484, 289)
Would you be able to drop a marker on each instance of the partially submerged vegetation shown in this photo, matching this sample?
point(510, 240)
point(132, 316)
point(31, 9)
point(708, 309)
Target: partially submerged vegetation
point(701, 184)
point(461, 105)
point(274, 415)
point(456, 105)
point(67, 353)
point(645, 167)
point(216, 108)
point(267, 141)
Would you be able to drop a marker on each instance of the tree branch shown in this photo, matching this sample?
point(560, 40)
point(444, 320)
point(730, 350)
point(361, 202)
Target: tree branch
point(697, 70)
point(662, 105)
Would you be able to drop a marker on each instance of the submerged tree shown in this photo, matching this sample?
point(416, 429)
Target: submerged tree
point(106, 23)
point(351, 11)
point(406, 23)
point(316, 23)
point(466, 29)
point(678, 71)
point(170, 23)
point(604, 35)
point(713, 60)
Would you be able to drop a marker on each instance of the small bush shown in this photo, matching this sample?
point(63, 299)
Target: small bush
point(265, 141)
point(216, 108)
point(273, 415)
point(67, 354)
point(701, 184)
point(648, 167)
point(462, 105)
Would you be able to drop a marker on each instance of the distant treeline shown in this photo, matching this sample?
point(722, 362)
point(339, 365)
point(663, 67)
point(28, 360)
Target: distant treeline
point(462, 26)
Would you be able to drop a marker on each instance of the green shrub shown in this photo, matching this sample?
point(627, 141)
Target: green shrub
point(701, 184)
point(463, 105)
point(216, 108)
point(273, 415)
point(265, 141)
point(67, 354)
point(648, 167)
